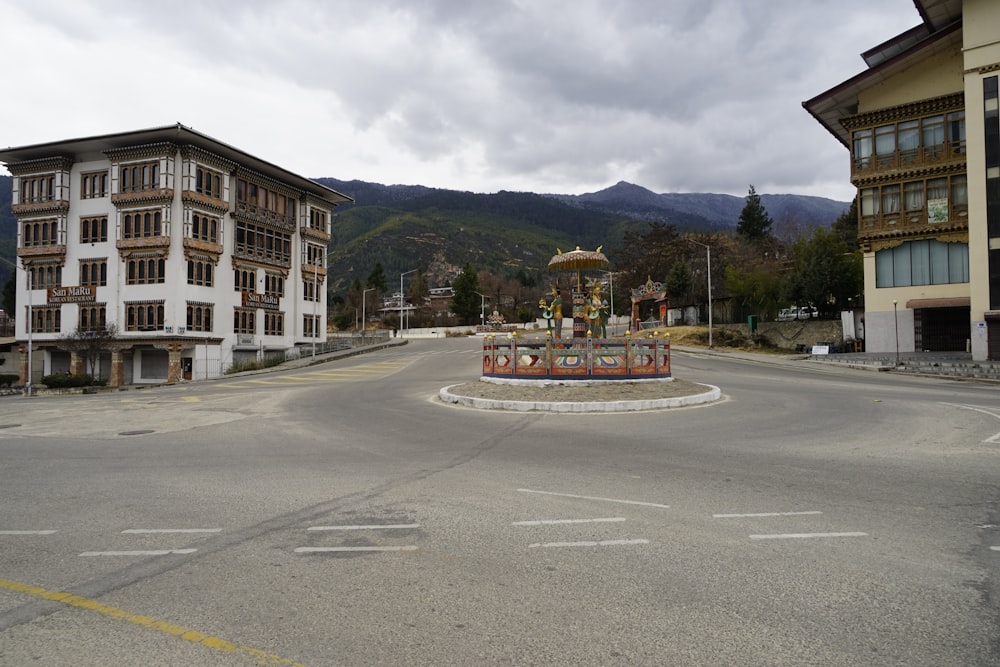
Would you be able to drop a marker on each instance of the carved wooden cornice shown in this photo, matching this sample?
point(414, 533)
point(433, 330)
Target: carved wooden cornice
point(54, 206)
point(153, 246)
point(215, 206)
point(263, 217)
point(257, 178)
point(314, 234)
point(40, 166)
point(253, 263)
point(900, 176)
point(936, 105)
point(202, 249)
point(142, 152)
point(142, 197)
point(42, 251)
point(949, 234)
point(202, 156)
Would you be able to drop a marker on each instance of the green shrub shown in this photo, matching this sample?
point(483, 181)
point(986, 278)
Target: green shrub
point(64, 380)
point(256, 364)
point(8, 380)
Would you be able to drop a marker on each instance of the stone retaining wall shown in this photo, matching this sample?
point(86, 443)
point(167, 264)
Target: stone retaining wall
point(790, 335)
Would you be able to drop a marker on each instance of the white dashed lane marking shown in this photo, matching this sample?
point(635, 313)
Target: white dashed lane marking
point(148, 552)
point(558, 522)
point(804, 536)
point(147, 531)
point(762, 514)
point(391, 526)
point(606, 500)
point(602, 543)
point(311, 550)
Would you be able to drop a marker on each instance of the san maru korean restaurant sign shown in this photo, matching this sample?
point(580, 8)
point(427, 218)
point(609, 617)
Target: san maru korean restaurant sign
point(71, 295)
point(255, 300)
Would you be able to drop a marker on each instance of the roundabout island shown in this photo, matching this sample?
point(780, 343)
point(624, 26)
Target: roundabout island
point(615, 396)
point(585, 373)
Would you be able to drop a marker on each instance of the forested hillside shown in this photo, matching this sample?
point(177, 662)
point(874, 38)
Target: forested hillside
point(406, 227)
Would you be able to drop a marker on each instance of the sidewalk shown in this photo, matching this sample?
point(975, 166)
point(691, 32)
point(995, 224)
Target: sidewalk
point(958, 365)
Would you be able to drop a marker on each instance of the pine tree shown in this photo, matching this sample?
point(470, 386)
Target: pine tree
point(376, 278)
point(755, 224)
point(465, 302)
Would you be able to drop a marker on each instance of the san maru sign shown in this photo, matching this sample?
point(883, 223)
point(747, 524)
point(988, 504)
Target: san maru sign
point(255, 300)
point(71, 294)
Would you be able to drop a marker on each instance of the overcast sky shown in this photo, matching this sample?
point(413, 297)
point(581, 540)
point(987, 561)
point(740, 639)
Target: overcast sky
point(481, 95)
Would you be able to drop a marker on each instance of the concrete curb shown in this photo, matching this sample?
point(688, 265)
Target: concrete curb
point(584, 406)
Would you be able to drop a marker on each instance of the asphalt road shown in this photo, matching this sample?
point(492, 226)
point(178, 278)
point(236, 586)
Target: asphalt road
point(340, 515)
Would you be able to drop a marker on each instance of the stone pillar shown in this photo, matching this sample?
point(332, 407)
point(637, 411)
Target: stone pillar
point(23, 372)
point(174, 351)
point(75, 363)
point(117, 378)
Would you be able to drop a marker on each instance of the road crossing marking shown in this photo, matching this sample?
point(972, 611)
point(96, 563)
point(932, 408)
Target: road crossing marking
point(607, 500)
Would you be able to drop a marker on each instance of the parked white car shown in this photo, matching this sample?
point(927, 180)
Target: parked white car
point(788, 314)
point(807, 312)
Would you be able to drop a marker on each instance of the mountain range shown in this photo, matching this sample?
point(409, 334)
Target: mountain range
point(405, 227)
point(411, 226)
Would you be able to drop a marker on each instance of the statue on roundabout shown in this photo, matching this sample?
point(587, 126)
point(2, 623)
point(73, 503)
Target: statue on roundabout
point(552, 312)
point(595, 311)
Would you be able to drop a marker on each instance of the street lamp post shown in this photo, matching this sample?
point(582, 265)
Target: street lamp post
point(27, 384)
point(482, 309)
point(895, 326)
point(708, 259)
point(401, 299)
point(315, 302)
point(364, 320)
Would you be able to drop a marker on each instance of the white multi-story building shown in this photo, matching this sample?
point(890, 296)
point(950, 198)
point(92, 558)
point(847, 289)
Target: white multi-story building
point(201, 255)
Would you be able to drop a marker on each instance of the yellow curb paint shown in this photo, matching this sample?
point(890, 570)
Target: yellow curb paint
point(148, 622)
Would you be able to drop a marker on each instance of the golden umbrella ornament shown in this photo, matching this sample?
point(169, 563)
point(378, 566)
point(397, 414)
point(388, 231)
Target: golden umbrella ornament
point(577, 260)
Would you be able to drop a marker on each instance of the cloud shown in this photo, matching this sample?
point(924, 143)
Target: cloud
point(690, 95)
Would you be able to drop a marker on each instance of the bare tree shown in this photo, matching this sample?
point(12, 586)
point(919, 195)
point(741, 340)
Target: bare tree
point(90, 343)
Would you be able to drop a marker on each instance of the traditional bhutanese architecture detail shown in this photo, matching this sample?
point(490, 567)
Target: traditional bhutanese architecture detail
point(921, 124)
point(201, 255)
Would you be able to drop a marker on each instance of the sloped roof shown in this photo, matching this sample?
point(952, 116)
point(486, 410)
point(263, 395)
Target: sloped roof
point(940, 31)
point(96, 146)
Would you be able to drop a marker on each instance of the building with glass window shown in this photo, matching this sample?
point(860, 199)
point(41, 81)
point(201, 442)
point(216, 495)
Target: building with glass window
point(922, 128)
point(199, 254)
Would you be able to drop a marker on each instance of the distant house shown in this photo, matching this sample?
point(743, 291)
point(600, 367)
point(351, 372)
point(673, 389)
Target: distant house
point(921, 125)
point(201, 254)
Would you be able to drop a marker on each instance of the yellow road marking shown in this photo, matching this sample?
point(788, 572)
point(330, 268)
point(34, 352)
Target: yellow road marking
point(181, 632)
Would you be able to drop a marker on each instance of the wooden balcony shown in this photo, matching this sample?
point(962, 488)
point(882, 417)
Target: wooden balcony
point(924, 157)
point(146, 242)
point(148, 196)
point(907, 223)
point(54, 249)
